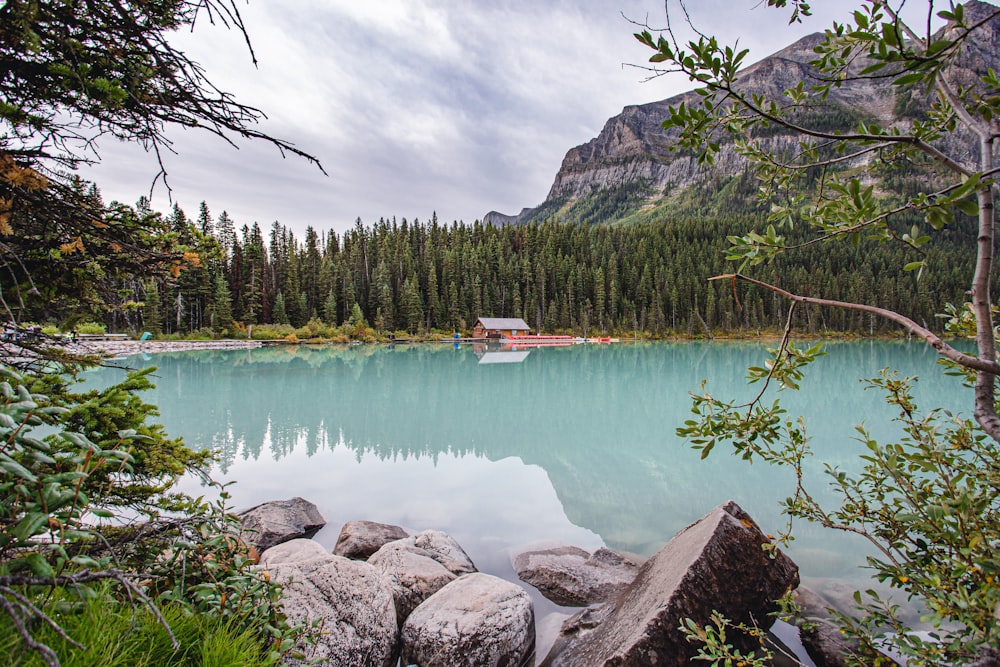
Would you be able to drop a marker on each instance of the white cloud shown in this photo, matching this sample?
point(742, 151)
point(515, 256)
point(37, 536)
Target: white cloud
point(418, 105)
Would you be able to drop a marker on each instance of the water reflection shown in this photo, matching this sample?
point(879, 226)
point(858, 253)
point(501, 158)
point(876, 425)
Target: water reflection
point(567, 444)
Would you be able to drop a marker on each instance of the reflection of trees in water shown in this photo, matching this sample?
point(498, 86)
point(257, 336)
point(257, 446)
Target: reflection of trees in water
point(599, 419)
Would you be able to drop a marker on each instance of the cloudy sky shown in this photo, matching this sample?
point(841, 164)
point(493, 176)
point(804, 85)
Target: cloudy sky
point(417, 106)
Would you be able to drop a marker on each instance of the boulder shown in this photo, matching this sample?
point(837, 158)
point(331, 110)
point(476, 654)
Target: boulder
point(819, 634)
point(572, 577)
point(718, 563)
point(478, 620)
point(360, 539)
point(278, 521)
point(413, 574)
point(351, 598)
point(441, 547)
point(295, 551)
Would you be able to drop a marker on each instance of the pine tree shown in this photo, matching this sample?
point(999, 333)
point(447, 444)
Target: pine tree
point(205, 225)
point(278, 313)
point(151, 310)
point(222, 304)
point(330, 309)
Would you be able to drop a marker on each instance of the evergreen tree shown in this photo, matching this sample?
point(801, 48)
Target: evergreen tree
point(330, 309)
point(278, 314)
point(222, 316)
point(151, 310)
point(205, 225)
point(413, 311)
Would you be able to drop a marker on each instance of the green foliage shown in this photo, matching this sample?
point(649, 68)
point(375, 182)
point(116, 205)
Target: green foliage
point(72, 460)
point(847, 204)
point(74, 74)
point(649, 276)
point(714, 647)
point(91, 328)
point(928, 505)
point(114, 633)
point(117, 419)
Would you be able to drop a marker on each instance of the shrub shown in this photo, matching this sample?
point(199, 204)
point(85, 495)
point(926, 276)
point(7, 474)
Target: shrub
point(70, 459)
point(91, 328)
point(315, 328)
point(271, 331)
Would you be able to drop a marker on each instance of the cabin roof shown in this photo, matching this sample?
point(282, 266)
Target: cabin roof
point(503, 323)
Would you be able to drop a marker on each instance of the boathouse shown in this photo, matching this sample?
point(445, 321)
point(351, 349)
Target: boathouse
point(500, 327)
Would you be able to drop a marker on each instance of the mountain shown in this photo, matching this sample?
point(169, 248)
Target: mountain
point(629, 165)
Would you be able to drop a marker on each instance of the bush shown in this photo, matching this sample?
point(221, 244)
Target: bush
point(91, 328)
point(927, 504)
point(271, 331)
point(70, 459)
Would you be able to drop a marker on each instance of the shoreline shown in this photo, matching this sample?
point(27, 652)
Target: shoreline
point(116, 348)
point(127, 347)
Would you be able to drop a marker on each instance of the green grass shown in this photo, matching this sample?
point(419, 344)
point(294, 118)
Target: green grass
point(115, 634)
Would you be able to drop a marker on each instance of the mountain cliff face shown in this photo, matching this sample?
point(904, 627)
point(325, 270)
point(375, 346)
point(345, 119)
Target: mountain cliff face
point(632, 151)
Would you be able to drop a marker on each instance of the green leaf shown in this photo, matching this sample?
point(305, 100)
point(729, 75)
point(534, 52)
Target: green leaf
point(11, 466)
point(906, 79)
point(968, 207)
point(31, 525)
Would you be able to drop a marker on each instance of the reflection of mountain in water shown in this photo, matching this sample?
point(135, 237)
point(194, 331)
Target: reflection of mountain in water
point(599, 420)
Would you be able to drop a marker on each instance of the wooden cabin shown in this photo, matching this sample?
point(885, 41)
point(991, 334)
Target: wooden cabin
point(500, 327)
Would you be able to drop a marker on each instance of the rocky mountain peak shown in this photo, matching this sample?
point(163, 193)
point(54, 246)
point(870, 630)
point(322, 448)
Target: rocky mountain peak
point(633, 150)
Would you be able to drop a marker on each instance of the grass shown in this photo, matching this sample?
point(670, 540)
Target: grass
point(115, 634)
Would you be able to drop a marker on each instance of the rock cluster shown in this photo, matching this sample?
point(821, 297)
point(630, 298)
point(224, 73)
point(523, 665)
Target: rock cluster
point(127, 347)
point(718, 563)
point(386, 595)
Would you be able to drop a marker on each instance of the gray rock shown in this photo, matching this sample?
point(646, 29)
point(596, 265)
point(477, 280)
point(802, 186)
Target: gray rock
point(360, 539)
point(819, 633)
point(278, 521)
point(413, 574)
point(478, 620)
point(572, 577)
point(443, 548)
point(351, 598)
point(294, 551)
point(716, 563)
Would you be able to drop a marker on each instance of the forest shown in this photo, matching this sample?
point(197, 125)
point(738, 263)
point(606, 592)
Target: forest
point(413, 276)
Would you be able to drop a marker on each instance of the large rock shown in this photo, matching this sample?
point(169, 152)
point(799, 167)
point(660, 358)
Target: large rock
point(441, 547)
point(351, 598)
point(572, 577)
point(360, 539)
point(278, 521)
point(295, 551)
point(819, 635)
point(717, 563)
point(478, 620)
point(413, 574)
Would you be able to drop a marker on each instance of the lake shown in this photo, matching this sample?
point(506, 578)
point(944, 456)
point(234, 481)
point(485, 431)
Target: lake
point(512, 450)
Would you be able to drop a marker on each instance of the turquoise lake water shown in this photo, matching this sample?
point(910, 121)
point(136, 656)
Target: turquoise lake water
point(511, 450)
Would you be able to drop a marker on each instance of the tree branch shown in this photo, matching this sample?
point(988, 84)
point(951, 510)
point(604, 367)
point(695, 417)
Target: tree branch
point(932, 339)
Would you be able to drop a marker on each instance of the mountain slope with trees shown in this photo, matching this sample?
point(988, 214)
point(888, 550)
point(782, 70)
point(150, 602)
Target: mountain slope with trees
point(633, 164)
point(418, 276)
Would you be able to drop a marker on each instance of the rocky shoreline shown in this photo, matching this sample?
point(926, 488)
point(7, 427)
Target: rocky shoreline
point(121, 348)
point(386, 596)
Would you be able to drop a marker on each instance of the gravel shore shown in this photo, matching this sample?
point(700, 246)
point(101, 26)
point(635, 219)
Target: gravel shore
point(126, 347)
